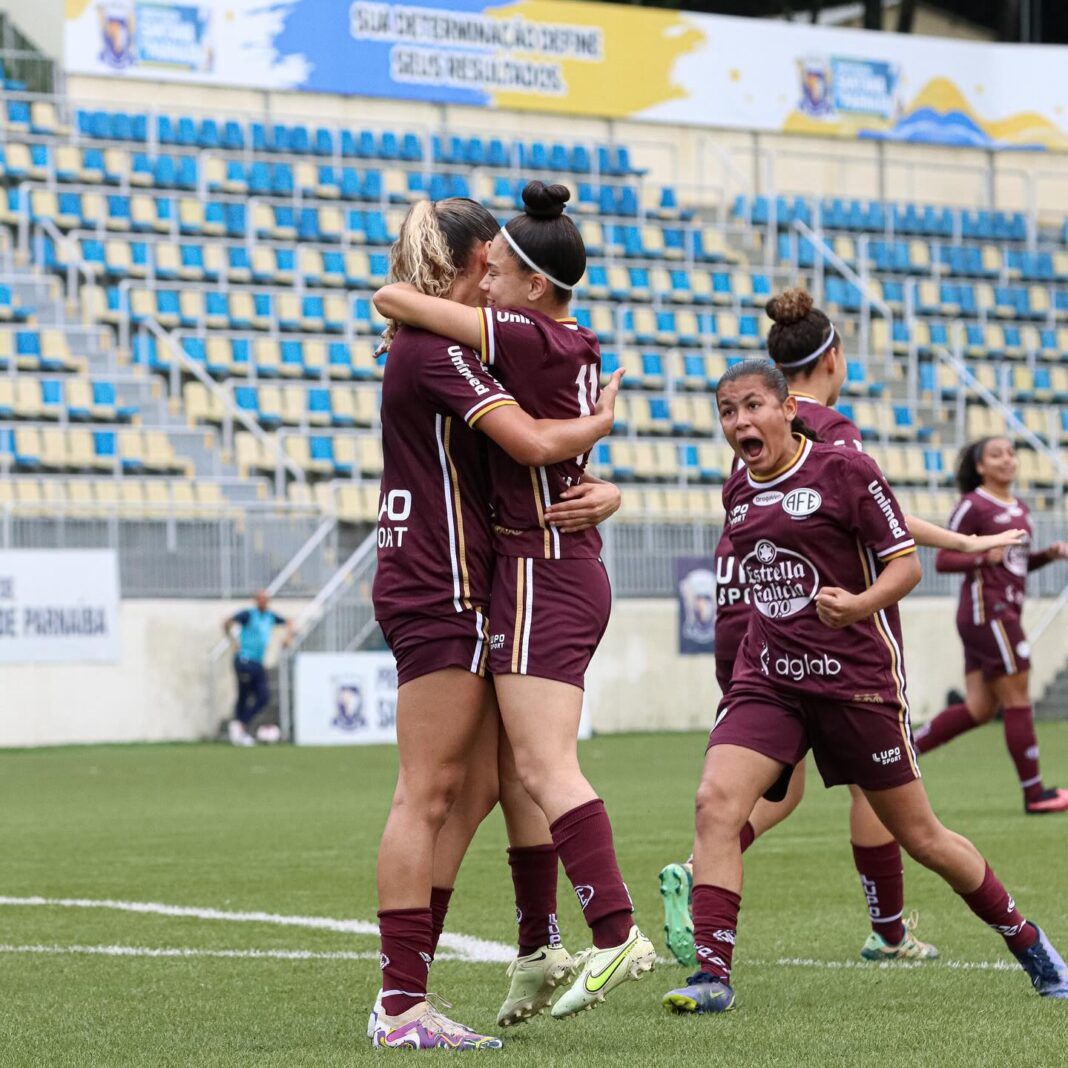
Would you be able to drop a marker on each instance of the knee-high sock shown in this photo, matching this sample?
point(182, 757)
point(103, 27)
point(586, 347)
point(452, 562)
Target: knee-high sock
point(534, 870)
point(583, 840)
point(715, 923)
point(993, 904)
point(882, 878)
point(944, 728)
point(439, 908)
point(406, 936)
point(1023, 748)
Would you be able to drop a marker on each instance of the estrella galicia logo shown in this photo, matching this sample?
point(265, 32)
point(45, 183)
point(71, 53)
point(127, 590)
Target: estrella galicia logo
point(348, 708)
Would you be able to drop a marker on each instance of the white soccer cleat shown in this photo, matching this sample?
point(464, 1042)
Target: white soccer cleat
point(602, 970)
point(372, 1020)
point(238, 734)
point(533, 980)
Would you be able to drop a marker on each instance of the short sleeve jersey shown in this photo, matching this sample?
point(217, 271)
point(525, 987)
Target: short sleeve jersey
point(435, 552)
point(827, 519)
point(256, 627)
point(553, 370)
point(992, 591)
point(732, 595)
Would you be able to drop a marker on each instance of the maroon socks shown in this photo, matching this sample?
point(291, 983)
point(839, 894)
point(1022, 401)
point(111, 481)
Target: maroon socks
point(996, 908)
point(1023, 748)
point(406, 940)
point(583, 840)
point(944, 728)
point(534, 870)
point(439, 907)
point(715, 920)
point(882, 880)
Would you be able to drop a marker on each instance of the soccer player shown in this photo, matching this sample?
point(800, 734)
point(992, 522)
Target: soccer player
point(808, 349)
point(996, 654)
point(551, 597)
point(432, 590)
point(827, 555)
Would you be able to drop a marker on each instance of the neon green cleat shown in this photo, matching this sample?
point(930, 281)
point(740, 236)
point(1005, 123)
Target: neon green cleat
point(911, 948)
point(676, 885)
point(534, 978)
point(602, 970)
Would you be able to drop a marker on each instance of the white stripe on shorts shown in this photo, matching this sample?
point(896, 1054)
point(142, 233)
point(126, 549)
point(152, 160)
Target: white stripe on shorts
point(1006, 652)
point(528, 615)
point(479, 643)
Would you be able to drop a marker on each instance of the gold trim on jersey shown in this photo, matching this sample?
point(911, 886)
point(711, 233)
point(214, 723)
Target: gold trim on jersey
point(490, 408)
point(1008, 654)
point(458, 506)
point(882, 627)
point(536, 486)
point(900, 553)
point(794, 460)
point(806, 396)
point(482, 335)
point(520, 602)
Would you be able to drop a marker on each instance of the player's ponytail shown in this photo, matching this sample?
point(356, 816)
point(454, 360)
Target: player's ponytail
point(800, 334)
point(544, 240)
point(434, 244)
point(968, 477)
point(775, 382)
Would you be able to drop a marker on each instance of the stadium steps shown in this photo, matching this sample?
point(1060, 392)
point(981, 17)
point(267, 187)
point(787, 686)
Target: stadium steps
point(1054, 702)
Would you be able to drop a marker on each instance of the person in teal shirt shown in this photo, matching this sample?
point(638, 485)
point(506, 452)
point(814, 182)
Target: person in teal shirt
point(250, 650)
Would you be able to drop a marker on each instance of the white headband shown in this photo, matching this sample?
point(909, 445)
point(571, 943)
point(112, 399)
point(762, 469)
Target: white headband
point(812, 355)
point(532, 265)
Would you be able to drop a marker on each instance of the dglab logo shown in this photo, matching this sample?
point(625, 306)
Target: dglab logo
point(783, 582)
point(801, 502)
point(802, 667)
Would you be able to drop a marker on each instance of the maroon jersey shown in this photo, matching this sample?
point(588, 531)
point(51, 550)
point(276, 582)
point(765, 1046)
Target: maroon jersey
point(553, 369)
point(827, 519)
point(990, 591)
point(435, 552)
point(732, 594)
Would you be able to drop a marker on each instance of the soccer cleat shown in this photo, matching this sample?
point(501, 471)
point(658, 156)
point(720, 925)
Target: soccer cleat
point(533, 980)
point(424, 1027)
point(909, 948)
point(602, 970)
point(372, 1020)
point(1050, 800)
point(676, 885)
point(238, 734)
point(1048, 972)
point(703, 993)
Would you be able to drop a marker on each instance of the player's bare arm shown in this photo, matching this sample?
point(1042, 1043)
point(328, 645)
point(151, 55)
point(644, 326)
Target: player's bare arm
point(935, 537)
point(405, 304)
point(585, 505)
point(838, 608)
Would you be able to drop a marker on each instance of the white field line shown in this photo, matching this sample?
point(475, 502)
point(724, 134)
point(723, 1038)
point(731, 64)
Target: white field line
point(465, 948)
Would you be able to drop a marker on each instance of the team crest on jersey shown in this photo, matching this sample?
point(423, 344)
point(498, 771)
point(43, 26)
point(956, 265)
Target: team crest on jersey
point(801, 502)
point(783, 582)
point(1015, 560)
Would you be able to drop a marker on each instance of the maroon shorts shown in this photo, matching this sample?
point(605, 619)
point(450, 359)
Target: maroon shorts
point(853, 742)
point(997, 647)
point(422, 644)
point(547, 617)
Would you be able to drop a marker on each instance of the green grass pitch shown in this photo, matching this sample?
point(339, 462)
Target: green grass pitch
point(294, 832)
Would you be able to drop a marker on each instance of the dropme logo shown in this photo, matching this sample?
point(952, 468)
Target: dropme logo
point(762, 500)
point(457, 356)
point(887, 756)
point(783, 582)
point(801, 667)
point(584, 893)
point(883, 501)
point(802, 502)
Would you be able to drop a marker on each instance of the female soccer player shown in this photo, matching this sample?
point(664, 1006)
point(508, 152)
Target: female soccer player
point(808, 350)
point(827, 555)
point(432, 589)
point(996, 654)
point(551, 598)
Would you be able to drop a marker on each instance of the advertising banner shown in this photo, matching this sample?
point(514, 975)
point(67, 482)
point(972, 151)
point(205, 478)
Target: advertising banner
point(59, 606)
point(345, 699)
point(593, 59)
point(696, 583)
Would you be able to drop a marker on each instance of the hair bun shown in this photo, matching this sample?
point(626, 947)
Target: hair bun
point(790, 306)
point(543, 201)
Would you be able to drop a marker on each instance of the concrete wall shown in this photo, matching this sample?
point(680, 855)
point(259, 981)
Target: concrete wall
point(639, 682)
point(41, 21)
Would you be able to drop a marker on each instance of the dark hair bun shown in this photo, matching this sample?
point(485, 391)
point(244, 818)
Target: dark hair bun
point(543, 201)
point(790, 306)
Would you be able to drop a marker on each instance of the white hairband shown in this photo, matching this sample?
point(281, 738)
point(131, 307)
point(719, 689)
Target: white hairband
point(532, 265)
point(812, 355)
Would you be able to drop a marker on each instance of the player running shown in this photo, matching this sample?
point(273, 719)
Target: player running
point(808, 350)
point(551, 597)
point(431, 596)
point(827, 555)
point(996, 654)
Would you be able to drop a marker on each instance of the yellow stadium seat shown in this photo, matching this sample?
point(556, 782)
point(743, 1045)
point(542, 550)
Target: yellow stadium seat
point(191, 305)
point(247, 450)
point(343, 403)
point(266, 356)
point(294, 407)
point(27, 398)
point(367, 405)
point(370, 454)
point(53, 452)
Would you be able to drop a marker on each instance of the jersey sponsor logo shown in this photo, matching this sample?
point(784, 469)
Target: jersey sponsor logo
point(456, 354)
point(887, 756)
point(396, 506)
point(1015, 560)
point(738, 514)
point(513, 317)
point(784, 582)
point(801, 502)
point(798, 668)
point(875, 488)
point(768, 497)
point(584, 893)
